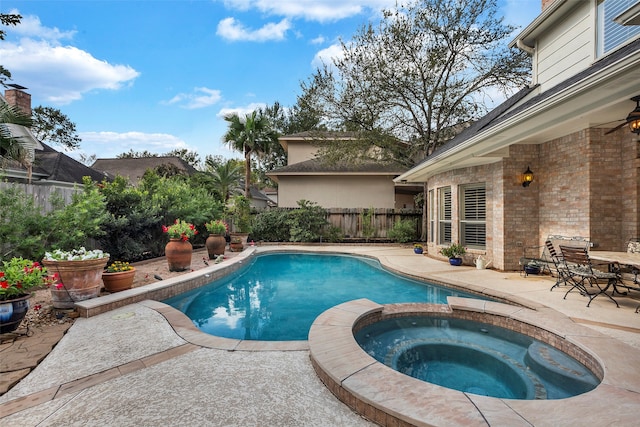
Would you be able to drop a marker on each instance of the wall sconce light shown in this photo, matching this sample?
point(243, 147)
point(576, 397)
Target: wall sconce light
point(633, 119)
point(527, 178)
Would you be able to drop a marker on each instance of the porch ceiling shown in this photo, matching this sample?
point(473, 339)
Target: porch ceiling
point(602, 100)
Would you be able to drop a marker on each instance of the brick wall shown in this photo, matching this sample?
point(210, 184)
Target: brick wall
point(585, 184)
point(19, 99)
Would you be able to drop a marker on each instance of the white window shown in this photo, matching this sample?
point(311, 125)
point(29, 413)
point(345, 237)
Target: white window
point(473, 216)
point(432, 218)
point(610, 34)
point(444, 215)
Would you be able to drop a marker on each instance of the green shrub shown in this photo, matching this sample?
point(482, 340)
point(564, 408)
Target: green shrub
point(73, 225)
point(21, 225)
point(272, 225)
point(403, 231)
point(307, 222)
point(332, 234)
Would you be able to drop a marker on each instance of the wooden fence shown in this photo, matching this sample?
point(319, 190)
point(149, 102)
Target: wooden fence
point(43, 194)
point(353, 222)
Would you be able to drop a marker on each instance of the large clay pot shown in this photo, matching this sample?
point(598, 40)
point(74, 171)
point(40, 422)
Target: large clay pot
point(178, 253)
point(119, 281)
point(215, 244)
point(81, 280)
point(12, 311)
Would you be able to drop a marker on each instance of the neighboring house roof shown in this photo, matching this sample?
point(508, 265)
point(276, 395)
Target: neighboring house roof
point(256, 194)
point(56, 166)
point(599, 94)
point(317, 167)
point(134, 168)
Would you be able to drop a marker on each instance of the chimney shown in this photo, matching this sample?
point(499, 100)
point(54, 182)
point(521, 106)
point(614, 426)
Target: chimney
point(546, 3)
point(17, 97)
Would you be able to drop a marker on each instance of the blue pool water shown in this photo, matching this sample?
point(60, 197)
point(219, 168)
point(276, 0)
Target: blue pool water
point(276, 297)
point(476, 358)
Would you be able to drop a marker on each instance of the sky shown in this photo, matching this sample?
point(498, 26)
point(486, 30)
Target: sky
point(159, 75)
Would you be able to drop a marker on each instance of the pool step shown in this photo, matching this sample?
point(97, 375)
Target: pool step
point(556, 367)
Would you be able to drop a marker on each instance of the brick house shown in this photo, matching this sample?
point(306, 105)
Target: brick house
point(586, 70)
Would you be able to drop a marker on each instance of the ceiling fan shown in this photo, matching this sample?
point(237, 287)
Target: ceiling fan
point(632, 120)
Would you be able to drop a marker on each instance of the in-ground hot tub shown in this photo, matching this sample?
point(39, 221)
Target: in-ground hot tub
point(391, 398)
point(475, 357)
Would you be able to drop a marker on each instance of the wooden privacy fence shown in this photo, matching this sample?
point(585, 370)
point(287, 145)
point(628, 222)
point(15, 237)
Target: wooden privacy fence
point(354, 222)
point(43, 194)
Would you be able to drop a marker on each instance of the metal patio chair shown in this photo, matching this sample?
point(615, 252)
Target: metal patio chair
point(580, 273)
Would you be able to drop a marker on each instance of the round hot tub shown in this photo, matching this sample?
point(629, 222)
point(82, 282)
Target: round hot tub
point(475, 357)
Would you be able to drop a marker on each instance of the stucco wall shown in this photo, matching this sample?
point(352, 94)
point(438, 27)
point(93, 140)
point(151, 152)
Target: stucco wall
point(337, 191)
point(299, 151)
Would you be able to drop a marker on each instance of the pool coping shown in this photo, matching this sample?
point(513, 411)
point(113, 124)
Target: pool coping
point(391, 398)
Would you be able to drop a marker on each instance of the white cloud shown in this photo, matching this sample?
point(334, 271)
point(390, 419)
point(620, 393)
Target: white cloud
point(311, 10)
point(110, 144)
point(58, 74)
point(231, 29)
point(240, 111)
point(325, 56)
point(201, 97)
point(30, 26)
point(318, 40)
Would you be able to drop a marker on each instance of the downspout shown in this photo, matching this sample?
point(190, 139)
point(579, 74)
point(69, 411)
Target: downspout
point(520, 44)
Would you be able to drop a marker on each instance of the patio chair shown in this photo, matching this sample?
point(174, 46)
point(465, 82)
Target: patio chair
point(580, 273)
point(559, 269)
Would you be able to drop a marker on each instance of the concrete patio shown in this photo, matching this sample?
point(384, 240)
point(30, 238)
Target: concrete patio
point(141, 364)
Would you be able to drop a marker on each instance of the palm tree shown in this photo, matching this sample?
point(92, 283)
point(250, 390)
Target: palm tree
point(226, 178)
point(14, 121)
point(251, 134)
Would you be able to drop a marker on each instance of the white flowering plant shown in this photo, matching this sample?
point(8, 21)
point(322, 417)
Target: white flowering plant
point(80, 254)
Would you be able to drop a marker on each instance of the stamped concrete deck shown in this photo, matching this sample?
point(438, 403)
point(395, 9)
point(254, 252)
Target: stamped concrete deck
point(143, 364)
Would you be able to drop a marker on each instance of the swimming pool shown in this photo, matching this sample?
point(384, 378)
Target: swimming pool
point(277, 296)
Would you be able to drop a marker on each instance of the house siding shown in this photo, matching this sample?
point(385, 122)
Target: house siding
point(567, 48)
point(337, 191)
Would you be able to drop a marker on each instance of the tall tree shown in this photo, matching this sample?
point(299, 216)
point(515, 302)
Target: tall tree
point(420, 75)
point(12, 147)
point(226, 178)
point(7, 19)
point(191, 157)
point(251, 134)
point(51, 125)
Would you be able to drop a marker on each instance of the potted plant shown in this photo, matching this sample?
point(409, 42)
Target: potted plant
point(178, 250)
point(417, 248)
point(216, 241)
point(118, 276)
point(240, 211)
point(532, 267)
point(454, 252)
point(80, 274)
point(17, 277)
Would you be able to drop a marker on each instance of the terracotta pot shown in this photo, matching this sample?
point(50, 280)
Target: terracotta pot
point(118, 281)
point(12, 311)
point(178, 253)
point(216, 245)
point(242, 236)
point(236, 245)
point(81, 280)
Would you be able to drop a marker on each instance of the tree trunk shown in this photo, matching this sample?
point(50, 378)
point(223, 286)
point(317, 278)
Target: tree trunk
point(247, 172)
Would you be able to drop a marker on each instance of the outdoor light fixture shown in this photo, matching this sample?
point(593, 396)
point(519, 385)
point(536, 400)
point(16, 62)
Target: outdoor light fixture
point(633, 119)
point(527, 178)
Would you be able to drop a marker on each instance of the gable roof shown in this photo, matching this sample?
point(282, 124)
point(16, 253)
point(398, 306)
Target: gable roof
point(318, 167)
point(599, 96)
point(134, 168)
point(56, 166)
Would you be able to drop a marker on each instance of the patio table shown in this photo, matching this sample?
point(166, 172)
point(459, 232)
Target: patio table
point(627, 258)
